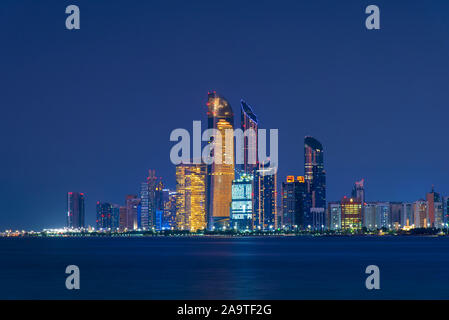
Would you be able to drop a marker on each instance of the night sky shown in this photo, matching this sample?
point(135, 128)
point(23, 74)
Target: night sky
point(92, 110)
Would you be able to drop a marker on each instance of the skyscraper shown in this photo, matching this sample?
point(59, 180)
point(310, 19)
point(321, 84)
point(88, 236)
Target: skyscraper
point(108, 216)
point(191, 197)
point(104, 215)
point(249, 121)
point(75, 210)
point(169, 216)
point(315, 178)
point(220, 175)
point(265, 198)
point(293, 201)
point(242, 204)
point(150, 197)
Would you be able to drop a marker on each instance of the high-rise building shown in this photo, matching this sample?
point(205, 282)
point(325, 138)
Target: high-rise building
point(242, 205)
point(395, 215)
point(265, 215)
point(132, 207)
point(123, 218)
point(315, 178)
point(446, 210)
point(108, 216)
point(150, 199)
point(358, 191)
point(293, 202)
point(351, 214)
point(420, 214)
point(249, 121)
point(334, 214)
point(407, 215)
point(75, 210)
point(115, 222)
point(220, 175)
point(169, 216)
point(104, 215)
point(439, 214)
point(383, 215)
point(369, 216)
point(191, 197)
point(432, 197)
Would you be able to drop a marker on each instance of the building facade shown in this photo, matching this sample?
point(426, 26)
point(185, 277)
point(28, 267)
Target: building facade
point(191, 197)
point(242, 203)
point(75, 210)
point(294, 197)
point(351, 214)
point(265, 216)
point(315, 179)
point(250, 151)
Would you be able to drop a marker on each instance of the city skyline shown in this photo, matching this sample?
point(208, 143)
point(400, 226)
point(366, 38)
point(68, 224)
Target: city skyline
point(91, 110)
point(251, 193)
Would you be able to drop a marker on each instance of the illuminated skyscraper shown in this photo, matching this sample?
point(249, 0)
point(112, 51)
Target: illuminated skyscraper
point(191, 197)
point(351, 214)
point(248, 121)
point(75, 210)
point(242, 205)
point(265, 198)
point(150, 197)
point(169, 216)
point(220, 175)
point(315, 177)
point(293, 201)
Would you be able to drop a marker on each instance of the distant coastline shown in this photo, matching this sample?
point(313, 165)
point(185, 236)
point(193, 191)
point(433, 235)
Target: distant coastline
point(228, 234)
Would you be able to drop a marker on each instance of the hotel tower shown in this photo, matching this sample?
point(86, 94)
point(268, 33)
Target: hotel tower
point(220, 175)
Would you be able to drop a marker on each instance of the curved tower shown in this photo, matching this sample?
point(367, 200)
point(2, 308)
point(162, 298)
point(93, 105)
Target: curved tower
point(220, 176)
point(248, 121)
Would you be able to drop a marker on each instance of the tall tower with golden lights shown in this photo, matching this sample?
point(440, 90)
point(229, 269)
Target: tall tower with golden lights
point(220, 175)
point(191, 197)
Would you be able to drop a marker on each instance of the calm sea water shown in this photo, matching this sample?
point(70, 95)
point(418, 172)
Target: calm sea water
point(225, 268)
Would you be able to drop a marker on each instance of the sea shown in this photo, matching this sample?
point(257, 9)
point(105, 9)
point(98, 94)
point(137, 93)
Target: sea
point(238, 268)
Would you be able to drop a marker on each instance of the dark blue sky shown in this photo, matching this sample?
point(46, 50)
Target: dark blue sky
point(92, 110)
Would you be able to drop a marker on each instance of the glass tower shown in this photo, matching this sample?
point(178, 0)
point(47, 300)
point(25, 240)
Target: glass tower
point(220, 175)
point(265, 198)
point(242, 206)
point(315, 178)
point(248, 121)
point(293, 201)
point(75, 210)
